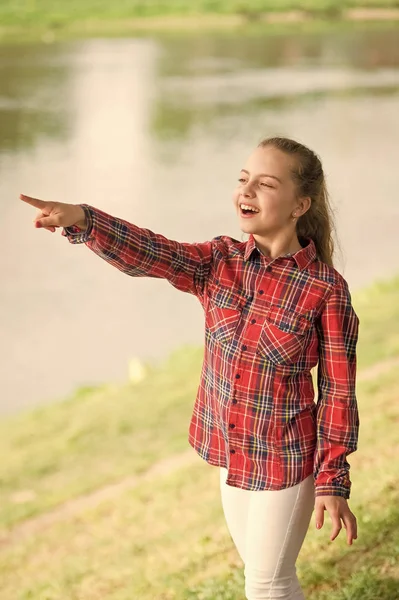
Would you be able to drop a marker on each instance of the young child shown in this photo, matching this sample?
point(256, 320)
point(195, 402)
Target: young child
point(275, 307)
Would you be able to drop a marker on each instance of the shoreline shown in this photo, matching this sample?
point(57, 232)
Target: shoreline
point(54, 31)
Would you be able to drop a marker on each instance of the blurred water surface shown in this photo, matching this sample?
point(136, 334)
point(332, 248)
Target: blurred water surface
point(155, 130)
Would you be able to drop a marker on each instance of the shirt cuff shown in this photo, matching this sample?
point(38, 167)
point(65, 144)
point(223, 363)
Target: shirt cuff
point(332, 490)
point(76, 235)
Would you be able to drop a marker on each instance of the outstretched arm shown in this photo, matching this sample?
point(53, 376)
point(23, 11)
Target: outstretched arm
point(134, 250)
point(337, 410)
point(140, 252)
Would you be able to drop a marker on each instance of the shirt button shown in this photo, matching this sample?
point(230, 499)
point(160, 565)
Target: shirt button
point(231, 425)
point(244, 347)
point(253, 321)
point(232, 451)
point(268, 268)
point(261, 292)
point(234, 401)
point(238, 376)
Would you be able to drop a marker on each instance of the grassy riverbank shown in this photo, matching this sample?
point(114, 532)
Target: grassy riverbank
point(165, 537)
point(63, 11)
point(50, 20)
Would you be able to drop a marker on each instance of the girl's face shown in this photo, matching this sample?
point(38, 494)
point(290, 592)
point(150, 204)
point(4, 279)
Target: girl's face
point(266, 183)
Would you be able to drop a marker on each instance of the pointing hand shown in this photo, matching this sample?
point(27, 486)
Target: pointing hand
point(56, 214)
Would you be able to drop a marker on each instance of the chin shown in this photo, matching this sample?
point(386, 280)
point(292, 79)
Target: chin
point(247, 226)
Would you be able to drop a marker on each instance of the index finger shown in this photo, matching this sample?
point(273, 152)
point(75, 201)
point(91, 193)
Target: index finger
point(34, 201)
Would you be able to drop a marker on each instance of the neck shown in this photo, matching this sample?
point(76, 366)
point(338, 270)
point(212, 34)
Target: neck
point(277, 245)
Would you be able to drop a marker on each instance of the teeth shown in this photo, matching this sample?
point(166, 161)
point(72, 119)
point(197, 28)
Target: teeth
point(249, 207)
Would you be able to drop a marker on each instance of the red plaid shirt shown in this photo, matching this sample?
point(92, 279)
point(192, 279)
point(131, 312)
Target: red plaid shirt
point(267, 323)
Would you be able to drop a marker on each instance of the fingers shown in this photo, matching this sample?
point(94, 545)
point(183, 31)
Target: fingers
point(350, 525)
point(38, 222)
point(319, 514)
point(338, 510)
point(40, 226)
point(34, 201)
point(337, 526)
point(48, 222)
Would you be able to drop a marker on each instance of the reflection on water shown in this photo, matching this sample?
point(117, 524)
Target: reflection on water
point(34, 84)
point(186, 102)
point(360, 48)
point(154, 131)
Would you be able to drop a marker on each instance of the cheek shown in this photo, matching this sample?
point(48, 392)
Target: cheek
point(269, 202)
point(273, 202)
point(273, 209)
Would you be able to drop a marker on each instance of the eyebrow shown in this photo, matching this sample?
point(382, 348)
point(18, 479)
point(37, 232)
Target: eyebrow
point(263, 175)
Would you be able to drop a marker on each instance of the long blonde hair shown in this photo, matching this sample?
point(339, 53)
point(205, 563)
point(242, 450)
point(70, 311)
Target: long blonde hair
point(318, 222)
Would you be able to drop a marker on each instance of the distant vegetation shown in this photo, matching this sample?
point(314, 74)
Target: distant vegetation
point(62, 12)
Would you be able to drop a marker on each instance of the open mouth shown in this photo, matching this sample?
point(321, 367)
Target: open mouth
point(248, 212)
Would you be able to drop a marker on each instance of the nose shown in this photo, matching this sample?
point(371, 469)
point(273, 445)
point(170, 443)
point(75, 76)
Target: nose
point(247, 190)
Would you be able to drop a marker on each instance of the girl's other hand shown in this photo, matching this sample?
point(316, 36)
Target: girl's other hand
point(338, 509)
point(56, 214)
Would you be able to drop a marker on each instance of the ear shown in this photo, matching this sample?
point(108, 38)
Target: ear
point(305, 203)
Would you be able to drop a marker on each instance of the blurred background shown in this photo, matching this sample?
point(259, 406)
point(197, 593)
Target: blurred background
point(148, 110)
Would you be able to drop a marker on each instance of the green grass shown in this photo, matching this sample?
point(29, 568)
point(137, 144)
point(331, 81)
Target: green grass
point(76, 17)
point(166, 539)
point(97, 436)
point(62, 11)
point(378, 310)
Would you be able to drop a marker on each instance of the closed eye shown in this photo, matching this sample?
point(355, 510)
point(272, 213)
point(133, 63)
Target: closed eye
point(241, 180)
point(267, 185)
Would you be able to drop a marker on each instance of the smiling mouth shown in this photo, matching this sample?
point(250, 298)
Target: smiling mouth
point(247, 212)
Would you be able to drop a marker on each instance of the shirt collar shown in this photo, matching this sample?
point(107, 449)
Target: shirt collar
point(302, 257)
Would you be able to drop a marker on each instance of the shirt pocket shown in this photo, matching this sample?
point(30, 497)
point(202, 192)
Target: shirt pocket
point(223, 314)
point(283, 335)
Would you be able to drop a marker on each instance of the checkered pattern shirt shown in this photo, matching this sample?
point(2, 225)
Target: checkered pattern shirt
point(268, 322)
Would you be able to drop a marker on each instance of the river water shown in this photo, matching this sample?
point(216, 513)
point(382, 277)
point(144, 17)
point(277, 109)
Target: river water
point(155, 130)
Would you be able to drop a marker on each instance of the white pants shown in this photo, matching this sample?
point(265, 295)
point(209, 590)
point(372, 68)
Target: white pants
point(268, 528)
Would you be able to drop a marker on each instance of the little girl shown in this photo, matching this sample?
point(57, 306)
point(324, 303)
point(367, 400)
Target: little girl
point(274, 307)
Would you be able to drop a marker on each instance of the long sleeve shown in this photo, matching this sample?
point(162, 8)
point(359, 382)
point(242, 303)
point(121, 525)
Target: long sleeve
point(337, 410)
point(140, 252)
